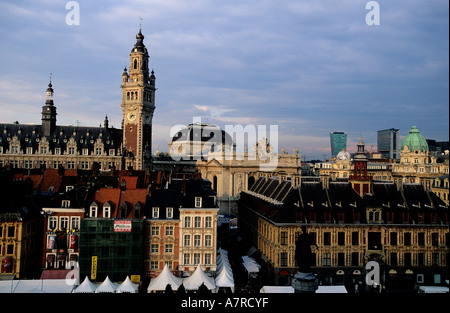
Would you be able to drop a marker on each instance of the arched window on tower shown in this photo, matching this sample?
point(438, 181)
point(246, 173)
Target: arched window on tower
point(135, 64)
point(128, 95)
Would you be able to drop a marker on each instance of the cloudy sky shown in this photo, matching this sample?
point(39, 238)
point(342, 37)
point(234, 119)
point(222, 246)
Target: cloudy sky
point(310, 67)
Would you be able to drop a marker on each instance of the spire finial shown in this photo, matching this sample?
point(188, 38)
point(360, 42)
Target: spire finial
point(140, 23)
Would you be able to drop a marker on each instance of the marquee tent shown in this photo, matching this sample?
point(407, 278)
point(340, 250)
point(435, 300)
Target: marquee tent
point(194, 281)
point(224, 279)
point(250, 264)
point(86, 287)
point(165, 277)
point(107, 286)
point(127, 287)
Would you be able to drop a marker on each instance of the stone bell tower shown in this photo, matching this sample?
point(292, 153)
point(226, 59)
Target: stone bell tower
point(138, 105)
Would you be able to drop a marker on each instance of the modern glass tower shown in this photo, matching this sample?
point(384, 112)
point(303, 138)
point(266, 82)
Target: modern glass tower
point(338, 142)
point(388, 142)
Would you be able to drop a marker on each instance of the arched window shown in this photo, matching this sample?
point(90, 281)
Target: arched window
point(135, 64)
point(128, 95)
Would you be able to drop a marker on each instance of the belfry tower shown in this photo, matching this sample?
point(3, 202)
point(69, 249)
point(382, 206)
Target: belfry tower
point(48, 113)
point(138, 105)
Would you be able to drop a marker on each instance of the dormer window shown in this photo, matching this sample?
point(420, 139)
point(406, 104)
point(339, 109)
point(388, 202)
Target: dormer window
point(155, 212)
point(169, 212)
point(123, 210)
point(137, 210)
point(107, 210)
point(65, 204)
point(198, 202)
point(93, 210)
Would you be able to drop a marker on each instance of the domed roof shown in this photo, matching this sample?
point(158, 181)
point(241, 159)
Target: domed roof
point(203, 133)
point(415, 141)
point(343, 155)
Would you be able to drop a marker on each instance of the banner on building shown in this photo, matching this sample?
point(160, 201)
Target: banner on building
point(122, 226)
point(94, 268)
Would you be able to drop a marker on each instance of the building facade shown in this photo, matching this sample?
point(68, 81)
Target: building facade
point(338, 141)
point(388, 142)
point(404, 231)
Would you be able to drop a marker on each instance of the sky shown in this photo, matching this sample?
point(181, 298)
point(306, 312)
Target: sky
point(309, 67)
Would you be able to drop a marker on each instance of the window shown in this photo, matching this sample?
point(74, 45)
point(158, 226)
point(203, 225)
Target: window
point(187, 222)
point(407, 259)
point(421, 259)
point(154, 248)
point(75, 223)
point(154, 265)
point(327, 239)
point(341, 259)
point(196, 258)
point(187, 240)
point(208, 222)
point(11, 231)
point(187, 258)
point(341, 238)
point(65, 204)
point(355, 258)
point(326, 259)
point(407, 239)
point(52, 222)
point(208, 259)
point(435, 259)
point(107, 210)
point(197, 240)
point(64, 222)
point(198, 202)
point(355, 238)
point(394, 259)
point(435, 239)
point(283, 259)
point(169, 212)
point(284, 237)
point(168, 248)
point(197, 222)
point(155, 212)
point(155, 231)
point(208, 241)
point(421, 239)
point(393, 239)
point(169, 231)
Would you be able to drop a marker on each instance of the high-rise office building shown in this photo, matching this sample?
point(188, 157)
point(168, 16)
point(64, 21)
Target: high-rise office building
point(338, 142)
point(388, 142)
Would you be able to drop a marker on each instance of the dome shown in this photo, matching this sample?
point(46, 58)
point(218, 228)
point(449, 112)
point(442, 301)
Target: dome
point(343, 155)
point(415, 141)
point(203, 133)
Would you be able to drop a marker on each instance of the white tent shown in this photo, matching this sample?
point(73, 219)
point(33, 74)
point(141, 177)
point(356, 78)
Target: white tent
point(331, 289)
point(197, 278)
point(107, 286)
point(86, 287)
point(277, 289)
point(225, 279)
point(164, 278)
point(36, 286)
point(250, 264)
point(127, 287)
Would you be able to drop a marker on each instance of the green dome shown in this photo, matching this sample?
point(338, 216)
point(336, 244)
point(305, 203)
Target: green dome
point(415, 141)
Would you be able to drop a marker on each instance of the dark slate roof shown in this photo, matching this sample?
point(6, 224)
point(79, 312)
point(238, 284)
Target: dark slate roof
point(85, 137)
